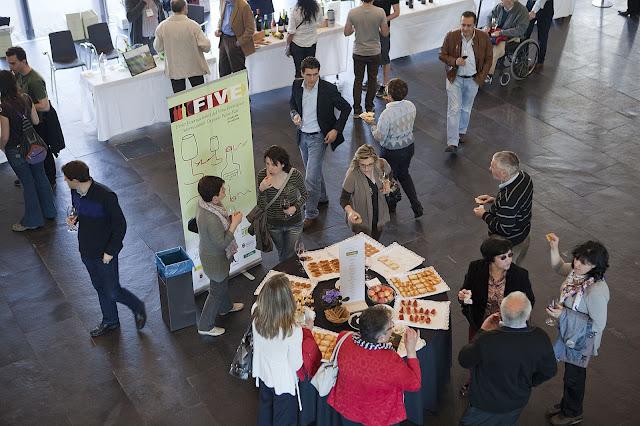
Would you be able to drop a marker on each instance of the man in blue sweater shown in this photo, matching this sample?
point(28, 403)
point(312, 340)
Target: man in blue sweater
point(101, 229)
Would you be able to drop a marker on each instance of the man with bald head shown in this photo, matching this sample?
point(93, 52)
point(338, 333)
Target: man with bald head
point(507, 358)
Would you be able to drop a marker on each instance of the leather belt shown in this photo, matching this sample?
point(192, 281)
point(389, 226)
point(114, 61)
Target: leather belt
point(467, 76)
point(311, 134)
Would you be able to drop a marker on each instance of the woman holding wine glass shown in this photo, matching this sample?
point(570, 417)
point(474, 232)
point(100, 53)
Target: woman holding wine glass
point(584, 290)
point(363, 190)
point(284, 216)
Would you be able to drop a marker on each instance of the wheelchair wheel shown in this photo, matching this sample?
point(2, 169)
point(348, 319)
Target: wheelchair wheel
point(505, 78)
point(524, 59)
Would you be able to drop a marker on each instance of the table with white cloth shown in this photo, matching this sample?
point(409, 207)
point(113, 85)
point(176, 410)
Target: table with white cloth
point(270, 69)
point(424, 27)
point(121, 103)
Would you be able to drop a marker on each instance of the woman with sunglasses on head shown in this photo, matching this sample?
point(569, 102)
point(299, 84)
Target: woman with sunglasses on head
point(363, 190)
point(584, 291)
point(488, 281)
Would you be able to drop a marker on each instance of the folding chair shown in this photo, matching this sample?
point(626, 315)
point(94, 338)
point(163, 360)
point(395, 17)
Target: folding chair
point(63, 55)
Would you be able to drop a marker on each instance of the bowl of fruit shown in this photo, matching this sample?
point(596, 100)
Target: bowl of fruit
point(381, 294)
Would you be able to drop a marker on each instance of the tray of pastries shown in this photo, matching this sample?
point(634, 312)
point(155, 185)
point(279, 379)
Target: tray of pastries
point(371, 247)
point(320, 265)
point(326, 341)
point(299, 286)
point(395, 259)
point(422, 313)
point(418, 283)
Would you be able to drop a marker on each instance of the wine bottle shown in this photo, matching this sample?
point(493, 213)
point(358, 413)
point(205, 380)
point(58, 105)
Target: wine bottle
point(286, 21)
point(258, 20)
point(266, 26)
point(280, 24)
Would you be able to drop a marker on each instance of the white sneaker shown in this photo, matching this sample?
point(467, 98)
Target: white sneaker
point(215, 331)
point(236, 307)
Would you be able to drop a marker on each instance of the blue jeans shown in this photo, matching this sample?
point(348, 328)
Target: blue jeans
point(461, 94)
point(284, 238)
point(106, 280)
point(36, 189)
point(312, 148)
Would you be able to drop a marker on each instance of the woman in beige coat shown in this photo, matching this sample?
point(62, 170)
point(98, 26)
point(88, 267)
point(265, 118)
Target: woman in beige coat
point(184, 45)
point(365, 185)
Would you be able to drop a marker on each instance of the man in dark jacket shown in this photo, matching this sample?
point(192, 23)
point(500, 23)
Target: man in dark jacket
point(506, 358)
point(312, 105)
point(101, 229)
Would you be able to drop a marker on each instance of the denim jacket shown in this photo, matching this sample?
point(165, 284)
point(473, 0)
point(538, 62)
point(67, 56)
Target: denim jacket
point(575, 342)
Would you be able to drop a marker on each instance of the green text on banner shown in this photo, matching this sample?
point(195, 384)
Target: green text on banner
point(211, 130)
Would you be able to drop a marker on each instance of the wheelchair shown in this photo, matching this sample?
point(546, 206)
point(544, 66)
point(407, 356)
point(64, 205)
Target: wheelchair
point(519, 60)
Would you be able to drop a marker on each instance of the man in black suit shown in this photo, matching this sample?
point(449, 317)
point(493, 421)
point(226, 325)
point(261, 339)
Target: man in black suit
point(312, 103)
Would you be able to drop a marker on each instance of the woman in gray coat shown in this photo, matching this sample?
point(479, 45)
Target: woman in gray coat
point(584, 290)
point(217, 247)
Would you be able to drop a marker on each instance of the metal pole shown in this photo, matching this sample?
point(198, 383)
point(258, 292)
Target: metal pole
point(603, 4)
point(26, 18)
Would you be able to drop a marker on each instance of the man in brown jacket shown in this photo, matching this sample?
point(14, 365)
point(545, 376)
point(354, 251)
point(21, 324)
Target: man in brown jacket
point(467, 54)
point(235, 29)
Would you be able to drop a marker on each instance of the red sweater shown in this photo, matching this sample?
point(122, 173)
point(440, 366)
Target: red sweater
point(311, 356)
point(371, 383)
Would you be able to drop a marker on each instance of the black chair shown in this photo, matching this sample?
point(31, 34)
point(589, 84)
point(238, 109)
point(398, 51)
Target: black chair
point(196, 13)
point(63, 55)
point(100, 38)
point(4, 21)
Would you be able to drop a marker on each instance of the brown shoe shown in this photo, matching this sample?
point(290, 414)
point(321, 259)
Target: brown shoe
point(461, 137)
point(308, 223)
point(562, 420)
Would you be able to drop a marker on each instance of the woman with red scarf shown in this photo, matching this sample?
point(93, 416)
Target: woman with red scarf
point(584, 290)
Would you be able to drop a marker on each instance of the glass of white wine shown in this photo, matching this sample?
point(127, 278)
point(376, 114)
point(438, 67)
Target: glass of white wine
point(72, 214)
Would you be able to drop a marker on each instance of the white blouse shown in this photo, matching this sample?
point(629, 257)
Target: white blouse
point(304, 35)
point(276, 361)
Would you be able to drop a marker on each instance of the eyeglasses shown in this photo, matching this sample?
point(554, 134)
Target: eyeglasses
point(504, 256)
point(366, 165)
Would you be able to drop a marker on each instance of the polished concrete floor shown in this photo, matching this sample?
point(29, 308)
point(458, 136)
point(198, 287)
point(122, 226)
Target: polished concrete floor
point(574, 126)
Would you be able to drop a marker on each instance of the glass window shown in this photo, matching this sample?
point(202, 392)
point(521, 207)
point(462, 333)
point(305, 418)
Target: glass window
point(49, 16)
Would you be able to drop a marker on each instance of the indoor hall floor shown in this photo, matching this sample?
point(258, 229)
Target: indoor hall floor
point(574, 125)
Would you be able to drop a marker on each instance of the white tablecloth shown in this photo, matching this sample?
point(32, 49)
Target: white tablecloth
point(424, 27)
point(123, 103)
point(270, 69)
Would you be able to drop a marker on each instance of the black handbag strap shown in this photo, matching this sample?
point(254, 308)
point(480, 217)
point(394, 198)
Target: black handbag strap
point(279, 190)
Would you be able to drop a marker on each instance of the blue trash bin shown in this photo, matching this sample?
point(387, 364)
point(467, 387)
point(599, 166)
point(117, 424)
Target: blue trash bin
point(175, 285)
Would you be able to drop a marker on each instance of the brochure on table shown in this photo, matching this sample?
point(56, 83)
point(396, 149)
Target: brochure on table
point(352, 272)
point(211, 131)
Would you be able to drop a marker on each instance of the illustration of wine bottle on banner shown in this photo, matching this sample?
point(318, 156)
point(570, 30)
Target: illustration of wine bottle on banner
point(211, 131)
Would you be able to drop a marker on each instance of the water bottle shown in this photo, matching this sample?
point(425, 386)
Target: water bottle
point(331, 17)
point(102, 63)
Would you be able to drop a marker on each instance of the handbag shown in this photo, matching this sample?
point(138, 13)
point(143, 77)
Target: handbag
point(325, 377)
point(32, 147)
point(258, 221)
point(242, 364)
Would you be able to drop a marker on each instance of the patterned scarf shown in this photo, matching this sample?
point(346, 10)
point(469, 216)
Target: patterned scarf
point(223, 215)
point(574, 285)
point(368, 345)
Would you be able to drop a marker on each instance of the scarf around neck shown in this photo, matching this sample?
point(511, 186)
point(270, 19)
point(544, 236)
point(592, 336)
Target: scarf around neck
point(223, 215)
point(575, 285)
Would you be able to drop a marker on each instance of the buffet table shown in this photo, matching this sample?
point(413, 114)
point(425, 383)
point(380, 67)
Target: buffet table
point(122, 103)
point(270, 69)
point(434, 358)
point(424, 27)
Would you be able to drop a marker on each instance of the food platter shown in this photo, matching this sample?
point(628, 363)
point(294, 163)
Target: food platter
point(299, 285)
point(320, 265)
point(422, 313)
point(326, 341)
point(402, 350)
point(418, 283)
point(371, 247)
point(394, 259)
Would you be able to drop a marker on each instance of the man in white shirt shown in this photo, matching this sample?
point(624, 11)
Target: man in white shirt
point(313, 102)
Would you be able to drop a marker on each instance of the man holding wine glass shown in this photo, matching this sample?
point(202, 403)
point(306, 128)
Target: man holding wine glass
point(467, 54)
point(101, 228)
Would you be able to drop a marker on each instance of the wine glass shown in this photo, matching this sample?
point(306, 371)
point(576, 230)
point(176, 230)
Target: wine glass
point(285, 206)
point(300, 251)
point(550, 321)
point(72, 213)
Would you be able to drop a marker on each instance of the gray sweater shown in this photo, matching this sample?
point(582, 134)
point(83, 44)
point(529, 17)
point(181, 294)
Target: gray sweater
point(517, 19)
point(594, 303)
point(213, 242)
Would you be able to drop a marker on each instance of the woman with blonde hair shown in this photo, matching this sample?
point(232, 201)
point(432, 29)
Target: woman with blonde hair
point(283, 353)
point(363, 190)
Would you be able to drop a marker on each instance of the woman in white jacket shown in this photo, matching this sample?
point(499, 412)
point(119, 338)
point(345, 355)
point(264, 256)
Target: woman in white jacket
point(277, 353)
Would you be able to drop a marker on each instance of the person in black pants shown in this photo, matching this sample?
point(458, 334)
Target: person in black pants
point(302, 35)
point(540, 11)
point(101, 228)
point(633, 9)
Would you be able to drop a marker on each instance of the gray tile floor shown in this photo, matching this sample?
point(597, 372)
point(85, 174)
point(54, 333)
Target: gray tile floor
point(574, 125)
